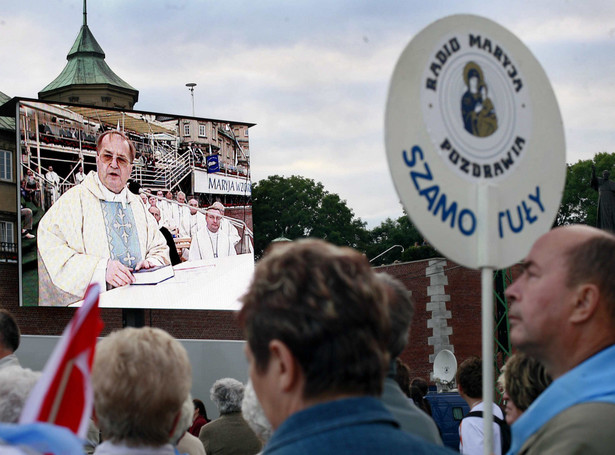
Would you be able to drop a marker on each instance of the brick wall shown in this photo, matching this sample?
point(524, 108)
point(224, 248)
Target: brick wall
point(463, 288)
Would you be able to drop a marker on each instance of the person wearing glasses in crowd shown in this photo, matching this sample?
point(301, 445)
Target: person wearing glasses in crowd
point(97, 231)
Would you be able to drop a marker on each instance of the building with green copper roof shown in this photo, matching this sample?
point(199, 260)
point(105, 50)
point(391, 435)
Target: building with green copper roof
point(87, 79)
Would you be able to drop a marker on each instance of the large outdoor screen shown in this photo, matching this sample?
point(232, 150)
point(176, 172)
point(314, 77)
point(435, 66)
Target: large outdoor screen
point(165, 202)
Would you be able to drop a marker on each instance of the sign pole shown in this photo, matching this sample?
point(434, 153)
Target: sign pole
point(483, 173)
point(487, 351)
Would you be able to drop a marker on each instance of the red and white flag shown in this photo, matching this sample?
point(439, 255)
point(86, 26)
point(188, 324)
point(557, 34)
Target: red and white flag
point(63, 395)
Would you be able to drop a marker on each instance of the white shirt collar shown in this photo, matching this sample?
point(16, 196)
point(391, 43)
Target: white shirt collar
point(109, 195)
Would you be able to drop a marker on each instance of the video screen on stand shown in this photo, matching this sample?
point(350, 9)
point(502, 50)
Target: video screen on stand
point(155, 208)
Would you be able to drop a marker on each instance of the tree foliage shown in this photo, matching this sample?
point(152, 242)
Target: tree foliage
point(580, 202)
point(296, 207)
point(397, 232)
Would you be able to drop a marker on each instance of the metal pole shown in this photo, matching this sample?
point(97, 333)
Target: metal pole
point(191, 86)
point(386, 251)
point(487, 339)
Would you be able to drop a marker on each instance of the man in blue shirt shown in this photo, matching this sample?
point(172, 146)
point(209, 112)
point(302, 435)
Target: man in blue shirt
point(316, 323)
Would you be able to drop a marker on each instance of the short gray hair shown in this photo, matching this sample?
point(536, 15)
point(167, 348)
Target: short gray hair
point(254, 415)
point(227, 394)
point(185, 420)
point(16, 383)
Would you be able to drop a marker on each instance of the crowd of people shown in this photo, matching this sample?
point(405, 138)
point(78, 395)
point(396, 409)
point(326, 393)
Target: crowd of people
point(323, 332)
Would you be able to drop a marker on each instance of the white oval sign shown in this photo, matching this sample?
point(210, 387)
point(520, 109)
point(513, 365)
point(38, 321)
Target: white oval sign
point(475, 141)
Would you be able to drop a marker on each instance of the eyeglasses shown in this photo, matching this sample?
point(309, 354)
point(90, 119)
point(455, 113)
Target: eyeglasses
point(107, 158)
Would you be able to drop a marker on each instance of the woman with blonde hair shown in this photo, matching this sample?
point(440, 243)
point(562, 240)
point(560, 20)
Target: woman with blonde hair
point(522, 380)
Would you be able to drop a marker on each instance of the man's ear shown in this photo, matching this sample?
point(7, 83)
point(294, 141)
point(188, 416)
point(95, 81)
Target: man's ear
point(286, 367)
point(586, 303)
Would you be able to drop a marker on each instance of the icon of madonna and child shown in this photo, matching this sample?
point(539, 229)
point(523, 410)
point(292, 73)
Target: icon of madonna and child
point(477, 109)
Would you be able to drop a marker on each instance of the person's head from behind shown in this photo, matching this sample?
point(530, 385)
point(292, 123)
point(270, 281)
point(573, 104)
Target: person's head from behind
point(16, 383)
point(141, 378)
point(401, 310)
point(9, 334)
point(421, 384)
point(523, 379)
point(227, 394)
point(318, 312)
point(470, 378)
point(402, 376)
point(199, 409)
point(416, 395)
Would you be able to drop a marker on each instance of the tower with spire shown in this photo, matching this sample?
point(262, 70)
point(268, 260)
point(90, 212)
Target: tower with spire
point(87, 79)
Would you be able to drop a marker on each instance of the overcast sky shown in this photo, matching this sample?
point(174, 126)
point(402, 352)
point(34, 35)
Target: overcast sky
point(313, 75)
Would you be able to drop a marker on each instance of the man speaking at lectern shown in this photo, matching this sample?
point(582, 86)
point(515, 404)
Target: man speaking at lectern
point(97, 231)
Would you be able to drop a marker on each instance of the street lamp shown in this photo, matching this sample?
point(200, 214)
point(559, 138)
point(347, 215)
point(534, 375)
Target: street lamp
point(191, 86)
point(387, 250)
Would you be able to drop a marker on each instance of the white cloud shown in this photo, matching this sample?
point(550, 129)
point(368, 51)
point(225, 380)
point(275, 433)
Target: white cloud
point(313, 75)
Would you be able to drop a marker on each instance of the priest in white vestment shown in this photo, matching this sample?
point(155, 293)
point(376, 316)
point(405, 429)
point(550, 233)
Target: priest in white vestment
point(193, 221)
point(211, 242)
point(98, 231)
point(226, 225)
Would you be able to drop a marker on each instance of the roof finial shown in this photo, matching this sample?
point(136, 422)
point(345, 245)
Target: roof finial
point(85, 12)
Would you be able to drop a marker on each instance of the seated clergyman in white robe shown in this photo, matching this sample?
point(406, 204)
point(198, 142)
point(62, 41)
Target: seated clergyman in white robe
point(211, 242)
point(85, 228)
point(226, 225)
point(191, 223)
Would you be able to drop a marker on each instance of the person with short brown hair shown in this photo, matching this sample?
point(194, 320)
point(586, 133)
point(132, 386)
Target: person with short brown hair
point(469, 379)
point(317, 327)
